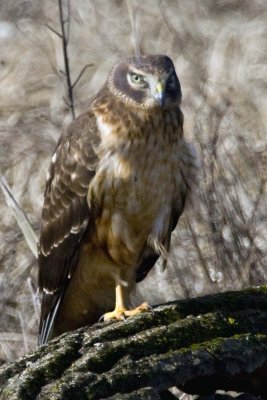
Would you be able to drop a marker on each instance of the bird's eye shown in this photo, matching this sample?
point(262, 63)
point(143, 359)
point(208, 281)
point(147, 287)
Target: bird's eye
point(137, 79)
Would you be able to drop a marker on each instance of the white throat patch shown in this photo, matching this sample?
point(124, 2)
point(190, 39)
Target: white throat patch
point(104, 128)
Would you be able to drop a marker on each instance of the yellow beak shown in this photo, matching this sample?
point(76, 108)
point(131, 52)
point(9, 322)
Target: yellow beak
point(159, 94)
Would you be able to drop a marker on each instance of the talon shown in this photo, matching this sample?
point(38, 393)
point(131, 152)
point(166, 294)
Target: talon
point(150, 308)
point(118, 314)
point(123, 314)
point(101, 319)
point(123, 317)
point(144, 307)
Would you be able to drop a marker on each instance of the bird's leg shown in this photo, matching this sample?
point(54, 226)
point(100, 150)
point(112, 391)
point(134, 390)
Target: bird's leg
point(120, 312)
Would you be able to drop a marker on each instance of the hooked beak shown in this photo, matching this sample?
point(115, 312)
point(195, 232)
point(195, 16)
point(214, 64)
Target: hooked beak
point(159, 93)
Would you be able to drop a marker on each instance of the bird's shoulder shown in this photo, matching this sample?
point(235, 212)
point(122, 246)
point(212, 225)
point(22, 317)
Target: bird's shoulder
point(71, 170)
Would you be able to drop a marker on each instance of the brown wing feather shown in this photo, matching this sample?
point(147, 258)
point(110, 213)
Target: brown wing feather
point(187, 176)
point(65, 215)
point(150, 257)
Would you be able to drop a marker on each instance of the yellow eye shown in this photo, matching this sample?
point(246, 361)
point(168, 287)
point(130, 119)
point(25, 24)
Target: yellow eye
point(137, 79)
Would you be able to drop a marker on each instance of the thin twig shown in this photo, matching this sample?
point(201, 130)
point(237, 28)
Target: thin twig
point(81, 74)
point(66, 58)
point(54, 31)
point(132, 14)
point(67, 21)
point(21, 218)
point(197, 247)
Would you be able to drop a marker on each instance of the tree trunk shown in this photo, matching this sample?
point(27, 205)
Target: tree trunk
point(199, 345)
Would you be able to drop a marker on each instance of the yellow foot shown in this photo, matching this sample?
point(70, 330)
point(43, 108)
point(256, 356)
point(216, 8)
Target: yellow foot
point(121, 313)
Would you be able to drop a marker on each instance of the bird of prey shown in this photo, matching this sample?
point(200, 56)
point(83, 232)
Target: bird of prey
point(116, 186)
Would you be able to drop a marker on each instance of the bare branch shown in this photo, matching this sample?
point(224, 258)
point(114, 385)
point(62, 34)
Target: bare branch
point(21, 218)
point(66, 57)
point(81, 74)
point(199, 252)
point(67, 21)
point(62, 72)
point(54, 31)
point(132, 14)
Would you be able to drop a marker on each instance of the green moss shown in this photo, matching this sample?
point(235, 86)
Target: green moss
point(100, 360)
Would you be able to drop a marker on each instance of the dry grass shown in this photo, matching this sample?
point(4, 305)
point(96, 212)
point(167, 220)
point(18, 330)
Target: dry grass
point(219, 48)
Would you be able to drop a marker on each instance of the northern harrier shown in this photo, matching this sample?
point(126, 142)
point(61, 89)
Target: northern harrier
point(116, 187)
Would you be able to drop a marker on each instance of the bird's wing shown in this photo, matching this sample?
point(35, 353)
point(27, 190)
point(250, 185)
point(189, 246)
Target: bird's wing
point(187, 179)
point(66, 215)
point(150, 255)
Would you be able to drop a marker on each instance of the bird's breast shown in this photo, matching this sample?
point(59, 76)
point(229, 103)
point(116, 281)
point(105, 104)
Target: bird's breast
point(133, 189)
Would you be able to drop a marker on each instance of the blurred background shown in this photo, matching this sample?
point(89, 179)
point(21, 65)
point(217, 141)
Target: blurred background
point(219, 48)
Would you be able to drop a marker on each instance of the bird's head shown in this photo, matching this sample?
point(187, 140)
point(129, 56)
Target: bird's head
point(148, 82)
